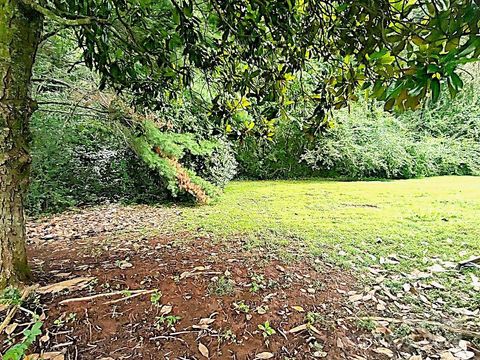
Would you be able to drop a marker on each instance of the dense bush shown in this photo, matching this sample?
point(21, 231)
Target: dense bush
point(279, 158)
point(220, 167)
point(84, 163)
point(367, 142)
point(89, 163)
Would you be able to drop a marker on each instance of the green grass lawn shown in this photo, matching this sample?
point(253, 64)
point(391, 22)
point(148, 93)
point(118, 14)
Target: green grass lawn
point(415, 220)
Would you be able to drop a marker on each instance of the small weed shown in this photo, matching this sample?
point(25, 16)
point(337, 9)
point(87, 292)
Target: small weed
point(126, 293)
point(313, 318)
point(318, 285)
point(64, 319)
point(257, 283)
point(395, 286)
point(267, 330)
point(228, 336)
point(169, 320)
point(17, 351)
point(401, 331)
point(155, 298)
point(366, 324)
point(11, 296)
point(241, 307)
point(222, 286)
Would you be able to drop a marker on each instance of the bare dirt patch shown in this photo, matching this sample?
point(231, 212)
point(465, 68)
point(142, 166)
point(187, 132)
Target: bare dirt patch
point(133, 288)
point(202, 299)
point(210, 294)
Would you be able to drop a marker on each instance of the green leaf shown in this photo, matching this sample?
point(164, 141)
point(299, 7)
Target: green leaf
point(378, 54)
point(435, 86)
point(456, 81)
point(433, 68)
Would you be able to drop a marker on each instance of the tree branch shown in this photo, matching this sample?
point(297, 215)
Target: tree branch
point(61, 20)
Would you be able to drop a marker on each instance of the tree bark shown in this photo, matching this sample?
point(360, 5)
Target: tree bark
point(20, 31)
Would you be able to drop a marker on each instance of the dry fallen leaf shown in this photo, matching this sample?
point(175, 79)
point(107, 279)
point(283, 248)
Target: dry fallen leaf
point(384, 351)
point(203, 350)
point(475, 282)
point(261, 310)
point(201, 327)
point(72, 285)
point(206, 321)
point(298, 308)
point(264, 355)
point(166, 309)
point(462, 344)
point(11, 328)
point(355, 298)
point(298, 328)
point(46, 356)
point(447, 355)
point(465, 355)
point(436, 268)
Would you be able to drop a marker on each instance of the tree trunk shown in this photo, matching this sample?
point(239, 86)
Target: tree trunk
point(20, 30)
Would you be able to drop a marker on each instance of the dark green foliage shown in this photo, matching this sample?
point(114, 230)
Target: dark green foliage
point(279, 158)
point(401, 51)
point(88, 162)
point(30, 334)
point(443, 138)
point(84, 163)
point(219, 167)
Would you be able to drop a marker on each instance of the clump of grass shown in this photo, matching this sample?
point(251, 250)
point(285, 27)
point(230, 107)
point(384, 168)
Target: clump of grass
point(221, 286)
point(366, 324)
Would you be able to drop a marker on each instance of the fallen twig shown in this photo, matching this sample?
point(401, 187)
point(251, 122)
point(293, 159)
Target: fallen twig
point(11, 313)
point(96, 296)
point(475, 261)
point(144, 292)
point(167, 338)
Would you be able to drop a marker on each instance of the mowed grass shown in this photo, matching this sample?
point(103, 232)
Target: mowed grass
point(414, 220)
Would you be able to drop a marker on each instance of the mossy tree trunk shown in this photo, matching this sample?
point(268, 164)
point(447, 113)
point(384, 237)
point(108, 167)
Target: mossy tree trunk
point(20, 31)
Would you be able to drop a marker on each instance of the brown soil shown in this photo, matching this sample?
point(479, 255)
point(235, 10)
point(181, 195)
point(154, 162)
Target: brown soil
point(130, 329)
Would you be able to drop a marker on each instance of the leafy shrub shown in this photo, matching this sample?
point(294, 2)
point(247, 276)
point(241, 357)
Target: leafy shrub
point(279, 158)
point(83, 164)
point(87, 163)
point(368, 142)
point(219, 167)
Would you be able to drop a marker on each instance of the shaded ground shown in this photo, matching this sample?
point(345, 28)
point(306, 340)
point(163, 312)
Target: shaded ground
point(214, 280)
point(209, 294)
point(257, 295)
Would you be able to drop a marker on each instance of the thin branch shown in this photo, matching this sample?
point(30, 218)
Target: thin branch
point(57, 18)
point(65, 103)
point(52, 81)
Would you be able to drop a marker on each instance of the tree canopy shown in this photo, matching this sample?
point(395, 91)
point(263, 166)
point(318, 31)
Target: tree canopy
point(401, 50)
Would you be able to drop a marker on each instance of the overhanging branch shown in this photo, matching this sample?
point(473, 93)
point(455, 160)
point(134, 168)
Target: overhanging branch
point(51, 15)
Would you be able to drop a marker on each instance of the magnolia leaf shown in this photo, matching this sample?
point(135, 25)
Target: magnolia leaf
point(264, 355)
point(203, 350)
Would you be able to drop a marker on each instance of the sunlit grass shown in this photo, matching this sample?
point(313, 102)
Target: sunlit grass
point(413, 219)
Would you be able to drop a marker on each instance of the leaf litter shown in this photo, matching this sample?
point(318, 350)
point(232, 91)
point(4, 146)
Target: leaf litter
point(396, 316)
